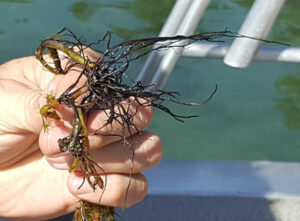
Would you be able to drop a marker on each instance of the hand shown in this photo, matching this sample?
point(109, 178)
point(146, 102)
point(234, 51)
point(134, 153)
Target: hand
point(34, 179)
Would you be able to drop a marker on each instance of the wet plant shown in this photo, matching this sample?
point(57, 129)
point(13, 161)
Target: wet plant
point(106, 88)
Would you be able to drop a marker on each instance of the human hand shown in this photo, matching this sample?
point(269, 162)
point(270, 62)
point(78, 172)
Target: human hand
point(34, 180)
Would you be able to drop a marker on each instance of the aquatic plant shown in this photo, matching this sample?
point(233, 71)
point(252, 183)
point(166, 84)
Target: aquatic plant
point(105, 88)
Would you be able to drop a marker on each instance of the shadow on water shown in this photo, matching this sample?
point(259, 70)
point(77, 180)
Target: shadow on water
point(289, 103)
point(143, 10)
point(83, 10)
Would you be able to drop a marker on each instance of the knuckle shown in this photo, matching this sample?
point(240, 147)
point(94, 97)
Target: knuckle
point(138, 190)
point(158, 151)
point(151, 150)
point(117, 196)
point(146, 115)
point(125, 196)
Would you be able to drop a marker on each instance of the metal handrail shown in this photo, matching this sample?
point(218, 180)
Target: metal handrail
point(257, 24)
point(170, 28)
point(187, 27)
point(161, 63)
point(184, 19)
point(215, 50)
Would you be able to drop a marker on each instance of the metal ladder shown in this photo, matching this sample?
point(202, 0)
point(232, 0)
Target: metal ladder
point(183, 20)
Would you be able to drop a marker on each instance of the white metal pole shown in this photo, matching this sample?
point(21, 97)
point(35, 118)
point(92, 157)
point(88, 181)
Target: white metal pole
point(257, 24)
point(171, 57)
point(215, 50)
point(169, 29)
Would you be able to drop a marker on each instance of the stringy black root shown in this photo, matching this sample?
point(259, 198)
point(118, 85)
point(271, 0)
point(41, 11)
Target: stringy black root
point(105, 80)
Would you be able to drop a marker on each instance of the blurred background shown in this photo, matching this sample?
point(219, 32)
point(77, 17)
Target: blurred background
point(255, 114)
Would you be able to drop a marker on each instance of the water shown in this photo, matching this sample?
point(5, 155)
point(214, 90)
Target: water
point(255, 114)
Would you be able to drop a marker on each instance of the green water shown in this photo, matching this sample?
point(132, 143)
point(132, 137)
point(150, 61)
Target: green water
point(255, 114)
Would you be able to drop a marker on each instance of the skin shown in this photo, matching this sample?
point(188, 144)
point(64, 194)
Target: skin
point(34, 180)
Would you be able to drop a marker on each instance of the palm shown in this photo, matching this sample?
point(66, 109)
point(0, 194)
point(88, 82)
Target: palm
point(20, 126)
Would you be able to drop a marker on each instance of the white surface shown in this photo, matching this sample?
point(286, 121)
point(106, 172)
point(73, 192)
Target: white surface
point(225, 178)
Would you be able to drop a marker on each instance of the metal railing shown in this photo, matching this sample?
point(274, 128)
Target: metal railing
point(257, 24)
point(184, 19)
point(159, 65)
point(216, 190)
